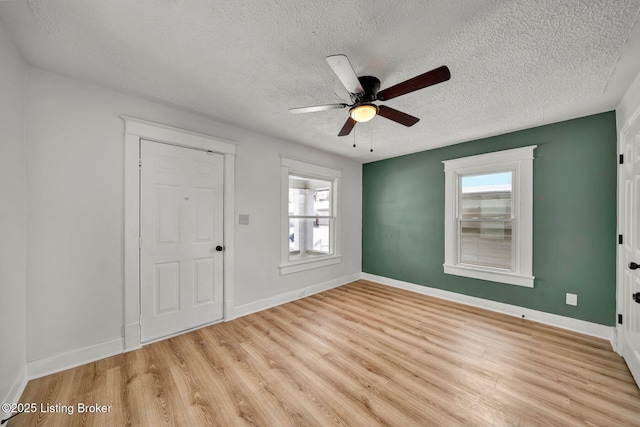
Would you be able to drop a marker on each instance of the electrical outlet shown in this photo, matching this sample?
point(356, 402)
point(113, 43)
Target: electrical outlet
point(572, 299)
point(243, 219)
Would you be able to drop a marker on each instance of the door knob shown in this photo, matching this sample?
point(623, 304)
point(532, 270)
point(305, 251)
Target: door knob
point(634, 266)
point(636, 297)
point(219, 248)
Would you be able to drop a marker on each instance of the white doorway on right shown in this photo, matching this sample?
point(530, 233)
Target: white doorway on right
point(628, 275)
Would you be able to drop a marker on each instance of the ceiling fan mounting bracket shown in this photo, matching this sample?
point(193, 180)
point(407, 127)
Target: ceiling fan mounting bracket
point(371, 86)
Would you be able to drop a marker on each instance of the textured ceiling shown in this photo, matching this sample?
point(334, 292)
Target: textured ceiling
point(514, 64)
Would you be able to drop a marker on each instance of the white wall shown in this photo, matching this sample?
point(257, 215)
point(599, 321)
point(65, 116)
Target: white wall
point(74, 139)
point(12, 222)
point(258, 244)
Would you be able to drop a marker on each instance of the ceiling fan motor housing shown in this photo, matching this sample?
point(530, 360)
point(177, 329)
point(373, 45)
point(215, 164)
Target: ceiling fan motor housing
point(371, 86)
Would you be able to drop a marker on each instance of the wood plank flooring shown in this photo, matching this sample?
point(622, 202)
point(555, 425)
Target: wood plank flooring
point(359, 355)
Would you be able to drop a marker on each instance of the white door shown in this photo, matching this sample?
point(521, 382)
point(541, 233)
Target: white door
point(629, 252)
point(181, 239)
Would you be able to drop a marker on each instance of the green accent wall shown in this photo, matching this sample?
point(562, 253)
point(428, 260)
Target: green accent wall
point(574, 218)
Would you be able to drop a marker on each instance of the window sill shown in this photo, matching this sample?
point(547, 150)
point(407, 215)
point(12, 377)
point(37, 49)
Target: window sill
point(309, 263)
point(493, 275)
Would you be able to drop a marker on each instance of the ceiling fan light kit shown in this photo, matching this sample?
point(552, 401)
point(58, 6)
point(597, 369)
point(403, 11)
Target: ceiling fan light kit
point(364, 90)
point(363, 112)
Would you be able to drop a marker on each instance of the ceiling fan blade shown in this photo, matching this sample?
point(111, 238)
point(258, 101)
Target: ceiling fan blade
point(397, 116)
point(429, 78)
point(315, 108)
point(348, 126)
point(342, 67)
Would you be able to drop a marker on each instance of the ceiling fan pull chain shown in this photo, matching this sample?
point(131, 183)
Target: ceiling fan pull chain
point(354, 138)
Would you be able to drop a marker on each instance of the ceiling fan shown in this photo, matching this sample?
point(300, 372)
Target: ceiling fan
point(365, 89)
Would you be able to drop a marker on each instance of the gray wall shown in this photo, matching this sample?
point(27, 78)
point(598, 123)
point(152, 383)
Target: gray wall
point(12, 220)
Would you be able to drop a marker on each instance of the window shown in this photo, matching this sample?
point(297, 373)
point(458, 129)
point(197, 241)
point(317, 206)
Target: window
point(484, 221)
point(489, 216)
point(309, 216)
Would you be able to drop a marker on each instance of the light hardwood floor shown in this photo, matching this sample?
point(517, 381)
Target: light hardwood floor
point(359, 355)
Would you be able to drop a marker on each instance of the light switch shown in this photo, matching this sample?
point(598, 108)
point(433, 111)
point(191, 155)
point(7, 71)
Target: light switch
point(243, 219)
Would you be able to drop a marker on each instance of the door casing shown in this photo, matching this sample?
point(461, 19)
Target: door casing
point(135, 130)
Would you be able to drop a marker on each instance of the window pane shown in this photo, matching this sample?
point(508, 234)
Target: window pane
point(309, 237)
point(486, 196)
point(486, 243)
point(309, 197)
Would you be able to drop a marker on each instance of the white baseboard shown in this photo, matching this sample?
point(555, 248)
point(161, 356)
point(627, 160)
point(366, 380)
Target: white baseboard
point(576, 325)
point(15, 392)
point(229, 309)
point(614, 342)
point(132, 336)
point(71, 359)
point(263, 304)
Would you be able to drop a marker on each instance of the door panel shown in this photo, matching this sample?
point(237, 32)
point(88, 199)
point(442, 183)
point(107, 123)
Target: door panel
point(168, 212)
point(205, 214)
point(204, 282)
point(181, 206)
point(167, 287)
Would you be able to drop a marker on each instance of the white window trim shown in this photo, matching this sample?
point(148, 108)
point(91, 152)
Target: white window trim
point(289, 166)
point(520, 162)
